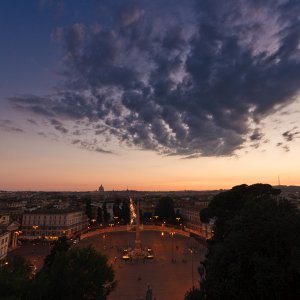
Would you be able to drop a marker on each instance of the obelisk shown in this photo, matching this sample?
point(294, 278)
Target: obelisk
point(138, 248)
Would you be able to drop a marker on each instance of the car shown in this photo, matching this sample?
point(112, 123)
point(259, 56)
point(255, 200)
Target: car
point(33, 269)
point(125, 255)
point(149, 254)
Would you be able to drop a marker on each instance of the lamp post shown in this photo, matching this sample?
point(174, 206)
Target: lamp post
point(104, 237)
point(192, 252)
point(172, 234)
point(116, 219)
point(35, 227)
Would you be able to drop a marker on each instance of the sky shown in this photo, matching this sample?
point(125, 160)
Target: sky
point(149, 94)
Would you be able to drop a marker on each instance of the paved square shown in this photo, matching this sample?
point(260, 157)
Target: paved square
point(169, 281)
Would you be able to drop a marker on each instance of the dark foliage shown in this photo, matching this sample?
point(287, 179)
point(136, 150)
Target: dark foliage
point(192, 294)
point(125, 212)
point(165, 210)
point(14, 278)
point(88, 208)
point(255, 253)
point(77, 274)
point(106, 215)
point(99, 215)
point(61, 246)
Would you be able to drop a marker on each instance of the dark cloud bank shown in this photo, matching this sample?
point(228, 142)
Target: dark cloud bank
point(190, 78)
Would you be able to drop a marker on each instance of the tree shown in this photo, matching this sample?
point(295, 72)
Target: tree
point(99, 215)
point(125, 212)
point(117, 210)
point(106, 215)
point(165, 210)
point(60, 246)
point(80, 273)
point(147, 216)
point(14, 278)
point(255, 252)
point(192, 294)
point(88, 208)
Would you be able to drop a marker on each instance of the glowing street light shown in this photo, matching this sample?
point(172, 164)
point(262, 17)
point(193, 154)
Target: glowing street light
point(116, 219)
point(172, 234)
point(104, 237)
point(35, 227)
point(192, 252)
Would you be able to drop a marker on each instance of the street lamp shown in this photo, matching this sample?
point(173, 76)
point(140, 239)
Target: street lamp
point(172, 234)
point(192, 252)
point(35, 227)
point(103, 237)
point(116, 218)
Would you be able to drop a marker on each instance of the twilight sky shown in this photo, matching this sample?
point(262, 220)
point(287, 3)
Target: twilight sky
point(149, 94)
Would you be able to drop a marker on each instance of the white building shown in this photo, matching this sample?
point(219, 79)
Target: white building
point(6, 224)
point(4, 240)
point(51, 224)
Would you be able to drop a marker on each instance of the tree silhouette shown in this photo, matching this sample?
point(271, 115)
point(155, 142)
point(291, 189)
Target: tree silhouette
point(255, 252)
point(77, 274)
point(165, 210)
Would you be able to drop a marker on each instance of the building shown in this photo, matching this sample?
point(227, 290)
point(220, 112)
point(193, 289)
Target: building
point(52, 224)
point(101, 189)
point(12, 227)
point(190, 212)
point(4, 240)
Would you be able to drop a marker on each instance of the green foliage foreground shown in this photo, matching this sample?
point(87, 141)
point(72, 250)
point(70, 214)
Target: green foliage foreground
point(255, 252)
point(78, 273)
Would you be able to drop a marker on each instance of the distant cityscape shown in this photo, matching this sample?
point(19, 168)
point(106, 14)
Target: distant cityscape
point(28, 216)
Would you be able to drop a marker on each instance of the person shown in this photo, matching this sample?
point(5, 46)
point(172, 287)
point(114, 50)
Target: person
point(149, 293)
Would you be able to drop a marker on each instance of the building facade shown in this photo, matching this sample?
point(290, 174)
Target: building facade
point(52, 224)
point(12, 227)
point(4, 240)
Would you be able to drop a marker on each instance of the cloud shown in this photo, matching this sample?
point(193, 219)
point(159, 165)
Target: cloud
point(91, 145)
point(10, 126)
point(256, 135)
point(59, 126)
point(32, 121)
point(290, 135)
point(42, 134)
point(197, 89)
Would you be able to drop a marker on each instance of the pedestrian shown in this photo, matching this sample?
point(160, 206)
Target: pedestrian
point(149, 293)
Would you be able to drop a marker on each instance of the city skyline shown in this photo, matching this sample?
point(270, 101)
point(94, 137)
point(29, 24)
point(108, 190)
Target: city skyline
point(149, 95)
